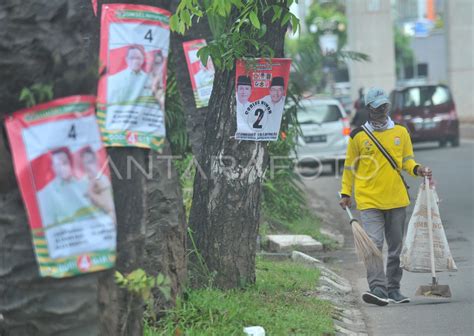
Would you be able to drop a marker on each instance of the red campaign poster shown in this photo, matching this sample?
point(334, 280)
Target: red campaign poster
point(134, 45)
point(202, 77)
point(260, 92)
point(62, 171)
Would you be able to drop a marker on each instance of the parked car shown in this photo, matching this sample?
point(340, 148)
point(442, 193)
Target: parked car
point(428, 111)
point(325, 132)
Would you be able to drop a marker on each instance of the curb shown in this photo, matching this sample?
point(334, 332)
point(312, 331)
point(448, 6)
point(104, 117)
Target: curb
point(347, 317)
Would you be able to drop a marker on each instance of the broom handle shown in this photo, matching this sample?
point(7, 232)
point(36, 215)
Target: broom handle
point(430, 228)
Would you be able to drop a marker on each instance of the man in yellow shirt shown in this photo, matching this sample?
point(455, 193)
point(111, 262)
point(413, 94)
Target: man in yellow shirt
point(380, 191)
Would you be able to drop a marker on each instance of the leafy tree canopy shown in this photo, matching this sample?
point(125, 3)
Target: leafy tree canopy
point(236, 26)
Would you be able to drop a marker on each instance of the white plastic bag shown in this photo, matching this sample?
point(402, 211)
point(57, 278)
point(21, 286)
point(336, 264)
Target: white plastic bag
point(415, 256)
point(254, 331)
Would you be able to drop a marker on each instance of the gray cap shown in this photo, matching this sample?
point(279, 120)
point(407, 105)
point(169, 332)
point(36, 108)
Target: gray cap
point(376, 97)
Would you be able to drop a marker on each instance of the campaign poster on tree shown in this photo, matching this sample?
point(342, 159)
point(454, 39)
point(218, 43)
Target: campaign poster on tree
point(202, 76)
point(260, 92)
point(134, 44)
point(62, 171)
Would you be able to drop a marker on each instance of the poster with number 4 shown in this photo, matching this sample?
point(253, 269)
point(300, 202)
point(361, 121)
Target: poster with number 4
point(260, 92)
point(62, 171)
point(134, 44)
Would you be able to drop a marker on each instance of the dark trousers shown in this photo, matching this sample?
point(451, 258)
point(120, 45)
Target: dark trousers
point(389, 224)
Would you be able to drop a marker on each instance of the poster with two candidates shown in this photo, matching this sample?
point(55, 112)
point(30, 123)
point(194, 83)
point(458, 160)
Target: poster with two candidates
point(134, 50)
point(62, 171)
point(260, 92)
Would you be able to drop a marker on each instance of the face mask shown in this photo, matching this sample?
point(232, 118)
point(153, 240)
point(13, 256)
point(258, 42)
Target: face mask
point(378, 117)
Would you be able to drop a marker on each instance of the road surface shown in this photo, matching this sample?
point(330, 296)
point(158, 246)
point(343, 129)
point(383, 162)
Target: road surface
point(454, 173)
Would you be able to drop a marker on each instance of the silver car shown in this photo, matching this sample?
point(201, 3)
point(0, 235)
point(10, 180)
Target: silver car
point(325, 130)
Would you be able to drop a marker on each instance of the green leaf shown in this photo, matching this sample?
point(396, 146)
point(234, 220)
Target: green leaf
point(255, 44)
point(146, 293)
point(174, 22)
point(294, 23)
point(217, 62)
point(181, 28)
point(119, 278)
point(237, 3)
point(263, 30)
point(203, 55)
point(228, 8)
point(166, 292)
point(49, 92)
point(186, 18)
point(286, 18)
point(278, 10)
point(25, 95)
point(254, 20)
point(160, 279)
point(167, 281)
point(221, 10)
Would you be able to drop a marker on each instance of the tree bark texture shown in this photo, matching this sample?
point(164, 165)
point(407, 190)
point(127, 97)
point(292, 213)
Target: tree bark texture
point(129, 182)
point(43, 42)
point(165, 249)
point(226, 204)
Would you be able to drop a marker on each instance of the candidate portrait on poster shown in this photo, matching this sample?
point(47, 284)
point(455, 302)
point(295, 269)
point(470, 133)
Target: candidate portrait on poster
point(127, 85)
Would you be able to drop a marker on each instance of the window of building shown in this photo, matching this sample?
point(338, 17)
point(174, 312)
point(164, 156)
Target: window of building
point(422, 69)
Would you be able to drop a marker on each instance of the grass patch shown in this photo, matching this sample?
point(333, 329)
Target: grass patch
point(282, 301)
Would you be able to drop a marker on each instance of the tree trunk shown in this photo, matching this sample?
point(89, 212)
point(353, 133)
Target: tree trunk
point(57, 42)
point(226, 205)
point(154, 228)
point(165, 249)
point(44, 42)
point(129, 183)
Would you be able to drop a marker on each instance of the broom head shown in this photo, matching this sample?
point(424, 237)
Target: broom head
point(365, 247)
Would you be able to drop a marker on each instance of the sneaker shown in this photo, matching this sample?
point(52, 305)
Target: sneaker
point(395, 296)
point(376, 296)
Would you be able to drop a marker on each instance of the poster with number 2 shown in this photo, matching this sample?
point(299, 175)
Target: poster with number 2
point(134, 46)
point(61, 168)
point(260, 92)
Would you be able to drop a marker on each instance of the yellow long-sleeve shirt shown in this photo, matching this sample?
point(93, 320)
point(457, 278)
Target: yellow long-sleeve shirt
point(376, 184)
